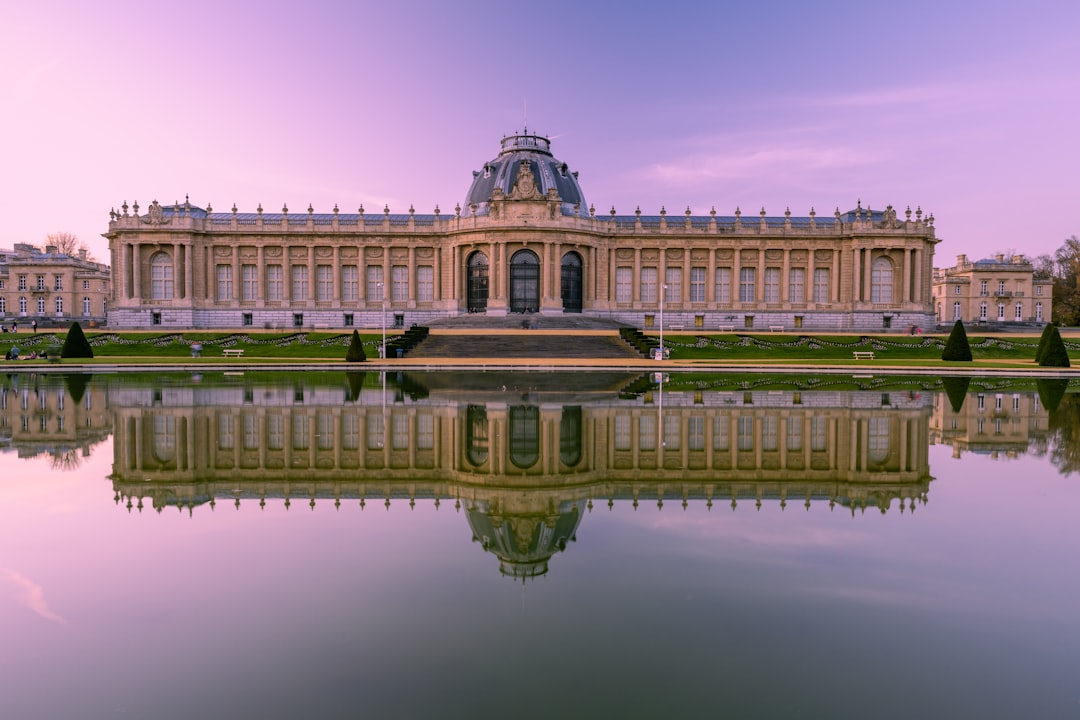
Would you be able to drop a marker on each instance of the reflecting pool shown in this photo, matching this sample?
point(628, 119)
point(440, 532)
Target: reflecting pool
point(538, 545)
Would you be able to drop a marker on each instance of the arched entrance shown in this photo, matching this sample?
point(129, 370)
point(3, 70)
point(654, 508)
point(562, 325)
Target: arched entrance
point(524, 282)
point(571, 282)
point(477, 291)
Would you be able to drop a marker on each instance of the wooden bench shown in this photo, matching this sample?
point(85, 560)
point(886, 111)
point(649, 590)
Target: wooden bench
point(776, 328)
point(233, 352)
point(676, 328)
point(726, 328)
point(863, 355)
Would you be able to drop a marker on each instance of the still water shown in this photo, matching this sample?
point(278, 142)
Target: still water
point(537, 545)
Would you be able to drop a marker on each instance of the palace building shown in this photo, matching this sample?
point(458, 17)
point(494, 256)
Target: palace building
point(999, 289)
point(524, 240)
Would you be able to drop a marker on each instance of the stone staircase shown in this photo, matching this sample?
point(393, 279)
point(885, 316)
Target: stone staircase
point(523, 345)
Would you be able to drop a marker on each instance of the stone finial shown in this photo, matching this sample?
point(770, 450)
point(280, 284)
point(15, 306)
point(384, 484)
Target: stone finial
point(412, 210)
point(918, 213)
point(310, 210)
point(837, 214)
point(336, 209)
point(762, 212)
point(112, 213)
point(234, 208)
point(637, 212)
point(284, 209)
point(813, 218)
point(712, 212)
point(361, 210)
point(663, 211)
point(124, 207)
point(592, 211)
point(738, 212)
point(386, 210)
point(259, 209)
point(209, 208)
point(577, 209)
point(907, 214)
point(457, 210)
point(437, 211)
point(687, 212)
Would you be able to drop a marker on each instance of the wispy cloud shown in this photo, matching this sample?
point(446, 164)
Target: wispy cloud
point(30, 594)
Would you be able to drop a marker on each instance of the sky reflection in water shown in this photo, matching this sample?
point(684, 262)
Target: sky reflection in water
point(964, 605)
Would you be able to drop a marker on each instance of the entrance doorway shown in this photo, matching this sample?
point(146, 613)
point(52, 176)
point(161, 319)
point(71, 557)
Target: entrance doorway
point(524, 282)
point(571, 283)
point(477, 292)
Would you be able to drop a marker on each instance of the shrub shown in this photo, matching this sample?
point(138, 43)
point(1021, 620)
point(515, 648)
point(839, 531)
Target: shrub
point(1055, 354)
point(956, 389)
point(957, 348)
point(355, 353)
point(75, 344)
point(1043, 339)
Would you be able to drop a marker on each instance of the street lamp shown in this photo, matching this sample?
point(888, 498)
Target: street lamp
point(663, 292)
point(382, 302)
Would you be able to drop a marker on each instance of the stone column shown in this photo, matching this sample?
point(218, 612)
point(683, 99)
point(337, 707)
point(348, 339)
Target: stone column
point(785, 278)
point(189, 271)
point(811, 268)
point(335, 272)
point(136, 273)
point(905, 291)
point(868, 278)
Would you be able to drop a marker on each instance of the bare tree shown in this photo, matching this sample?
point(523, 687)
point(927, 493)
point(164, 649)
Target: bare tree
point(68, 244)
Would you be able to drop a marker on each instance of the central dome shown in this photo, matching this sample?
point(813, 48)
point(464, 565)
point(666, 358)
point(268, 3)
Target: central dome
point(502, 173)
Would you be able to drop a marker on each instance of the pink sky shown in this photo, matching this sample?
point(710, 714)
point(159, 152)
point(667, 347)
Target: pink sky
point(969, 110)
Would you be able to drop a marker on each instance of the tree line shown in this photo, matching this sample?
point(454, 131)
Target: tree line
point(1064, 268)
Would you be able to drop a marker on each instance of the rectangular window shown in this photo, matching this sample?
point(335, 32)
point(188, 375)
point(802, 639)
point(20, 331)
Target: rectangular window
point(350, 283)
point(247, 319)
point(821, 285)
point(399, 431)
point(224, 282)
point(375, 282)
point(85, 285)
point(298, 319)
point(1038, 289)
point(58, 283)
point(747, 281)
point(721, 432)
point(347, 320)
point(769, 433)
point(745, 433)
point(794, 433)
point(982, 287)
point(299, 282)
point(273, 282)
point(350, 432)
point(40, 282)
point(672, 434)
point(818, 434)
point(425, 283)
point(324, 282)
point(249, 282)
point(673, 283)
point(697, 284)
point(622, 432)
point(425, 432)
point(797, 285)
point(399, 280)
point(695, 432)
point(646, 432)
point(624, 279)
point(772, 285)
point(22, 282)
point(956, 290)
point(275, 432)
point(723, 284)
point(648, 285)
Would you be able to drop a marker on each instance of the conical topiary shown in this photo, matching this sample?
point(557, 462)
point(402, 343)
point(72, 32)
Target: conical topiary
point(75, 344)
point(355, 353)
point(1055, 354)
point(1043, 339)
point(957, 348)
point(956, 389)
point(1051, 390)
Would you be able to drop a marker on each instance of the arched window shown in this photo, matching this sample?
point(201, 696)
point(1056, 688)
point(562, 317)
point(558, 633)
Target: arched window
point(59, 306)
point(879, 440)
point(41, 306)
point(1038, 312)
point(982, 311)
point(1019, 311)
point(161, 277)
point(881, 281)
point(86, 306)
point(956, 311)
point(22, 306)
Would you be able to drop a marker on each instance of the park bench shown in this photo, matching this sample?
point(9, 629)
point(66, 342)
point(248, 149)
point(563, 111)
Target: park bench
point(863, 355)
point(233, 352)
point(726, 328)
point(776, 328)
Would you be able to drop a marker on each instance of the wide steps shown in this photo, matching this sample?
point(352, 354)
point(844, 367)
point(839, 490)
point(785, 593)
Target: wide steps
point(522, 345)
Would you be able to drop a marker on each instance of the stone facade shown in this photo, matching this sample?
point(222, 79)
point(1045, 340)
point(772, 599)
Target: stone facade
point(525, 241)
point(993, 290)
point(52, 288)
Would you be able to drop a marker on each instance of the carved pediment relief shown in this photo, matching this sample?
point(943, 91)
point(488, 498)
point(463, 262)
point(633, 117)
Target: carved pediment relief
point(373, 252)
point(324, 252)
point(298, 253)
point(349, 253)
point(272, 252)
point(525, 187)
point(155, 215)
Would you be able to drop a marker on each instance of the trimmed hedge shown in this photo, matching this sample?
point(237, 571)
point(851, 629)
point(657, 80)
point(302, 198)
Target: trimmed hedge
point(957, 348)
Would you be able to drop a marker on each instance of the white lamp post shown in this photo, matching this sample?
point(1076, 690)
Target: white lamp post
point(663, 292)
point(382, 303)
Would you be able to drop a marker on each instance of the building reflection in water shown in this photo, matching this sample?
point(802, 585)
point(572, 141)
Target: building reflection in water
point(524, 463)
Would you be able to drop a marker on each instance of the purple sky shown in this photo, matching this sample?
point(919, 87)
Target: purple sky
point(969, 110)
